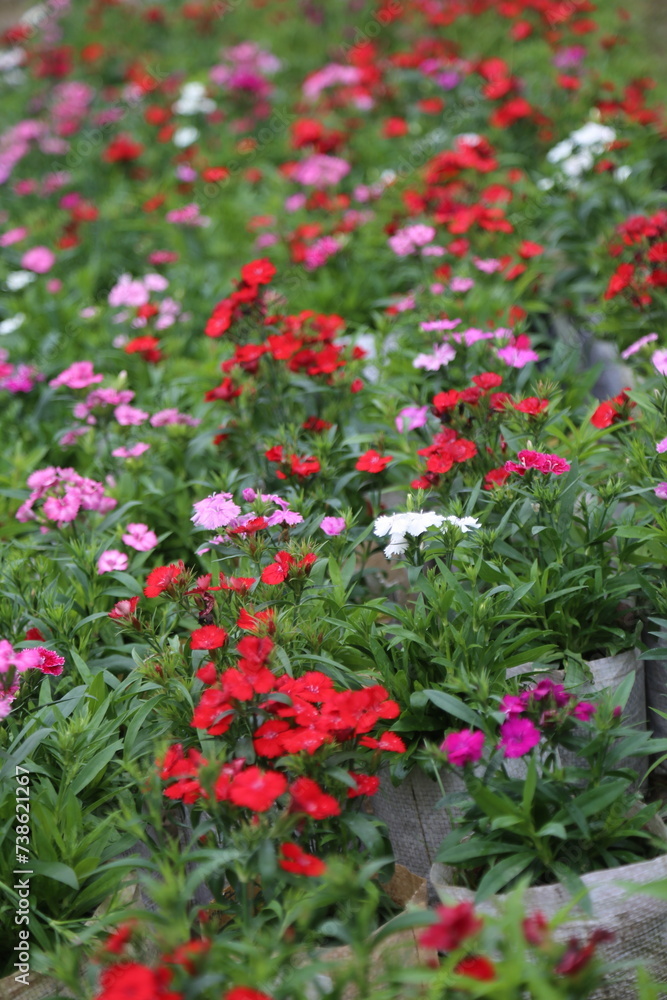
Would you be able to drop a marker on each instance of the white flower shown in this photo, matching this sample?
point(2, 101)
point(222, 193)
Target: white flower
point(185, 136)
point(193, 100)
point(593, 134)
point(398, 526)
point(16, 280)
point(622, 173)
point(11, 323)
point(466, 524)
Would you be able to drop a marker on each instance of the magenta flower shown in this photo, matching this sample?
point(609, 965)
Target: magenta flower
point(140, 537)
point(13, 236)
point(464, 747)
point(518, 737)
point(661, 491)
point(661, 446)
point(38, 259)
point(112, 560)
point(513, 704)
point(320, 170)
point(215, 511)
point(584, 711)
point(333, 525)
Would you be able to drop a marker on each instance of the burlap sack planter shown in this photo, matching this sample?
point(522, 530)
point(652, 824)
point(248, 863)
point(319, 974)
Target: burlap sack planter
point(655, 673)
point(39, 988)
point(638, 922)
point(416, 825)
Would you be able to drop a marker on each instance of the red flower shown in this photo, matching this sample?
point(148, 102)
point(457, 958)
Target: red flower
point(208, 637)
point(258, 272)
point(536, 928)
point(33, 634)
point(268, 738)
point(619, 280)
point(185, 953)
point(388, 741)
point(476, 967)
point(122, 149)
point(454, 925)
point(372, 461)
point(131, 981)
point(244, 993)
point(115, 943)
point(256, 789)
point(239, 584)
point(578, 956)
point(298, 862)
point(308, 797)
point(367, 784)
point(162, 577)
point(531, 405)
point(496, 477)
point(487, 380)
point(528, 250)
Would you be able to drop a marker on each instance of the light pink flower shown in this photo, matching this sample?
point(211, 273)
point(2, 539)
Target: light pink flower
point(130, 416)
point(411, 417)
point(442, 355)
point(128, 292)
point(321, 170)
point(661, 446)
point(661, 491)
point(438, 324)
point(461, 284)
point(111, 560)
point(63, 509)
point(659, 359)
point(139, 536)
point(38, 259)
point(333, 525)
point(638, 344)
point(518, 354)
point(134, 452)
point(215, 511)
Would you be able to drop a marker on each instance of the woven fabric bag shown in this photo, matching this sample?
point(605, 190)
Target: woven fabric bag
point(638, 922)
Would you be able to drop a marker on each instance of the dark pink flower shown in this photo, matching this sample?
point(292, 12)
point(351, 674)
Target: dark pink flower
point(518, 736)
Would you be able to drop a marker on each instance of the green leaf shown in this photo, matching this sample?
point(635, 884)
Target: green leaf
point(448, 703)
point(502, 873)
point(56, 870)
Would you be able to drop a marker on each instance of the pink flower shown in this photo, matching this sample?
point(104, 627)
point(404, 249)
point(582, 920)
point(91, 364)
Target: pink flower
point(62, 509)
point(411, 417)
point(638, 344)
point(439, 324)
point(128, 292)
point(442, 355)
point(513, 704)
point(661, 446)
point(518, 736)
point(659, 359)
point(518, 354)
point(13, 236)
point(661, 491)
point(461, 284)
point(140, 537)
point(215, 511)
point(38, 259)
point(320, 170)
point(134, 452)
point(111, 560)
point(333, 525)
point(78, 376)
point(464, 747)
point(129, 416)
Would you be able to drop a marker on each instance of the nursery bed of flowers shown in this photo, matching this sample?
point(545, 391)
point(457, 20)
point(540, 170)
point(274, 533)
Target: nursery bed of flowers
point(333, 399)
